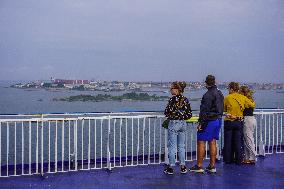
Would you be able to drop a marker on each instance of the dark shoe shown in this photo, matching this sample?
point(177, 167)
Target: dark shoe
point(249, 162)
point(196, 169)
point(183, 169)
point(210, 169)
point(169, 171)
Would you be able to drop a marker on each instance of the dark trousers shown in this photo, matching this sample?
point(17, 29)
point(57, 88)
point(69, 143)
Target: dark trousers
point(233, 142)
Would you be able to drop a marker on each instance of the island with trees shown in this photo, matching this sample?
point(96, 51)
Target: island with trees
point(106, 97)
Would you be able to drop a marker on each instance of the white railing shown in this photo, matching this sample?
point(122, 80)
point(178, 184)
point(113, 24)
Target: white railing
point(38, 144)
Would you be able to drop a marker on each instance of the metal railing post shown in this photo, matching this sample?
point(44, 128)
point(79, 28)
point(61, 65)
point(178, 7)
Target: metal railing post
point(166, 147)
point(261, 149)
point(108, 149)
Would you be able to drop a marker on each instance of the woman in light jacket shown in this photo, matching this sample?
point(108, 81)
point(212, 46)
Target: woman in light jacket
point(249, 126)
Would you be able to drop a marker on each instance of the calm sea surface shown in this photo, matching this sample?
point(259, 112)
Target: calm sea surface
point(28, 101)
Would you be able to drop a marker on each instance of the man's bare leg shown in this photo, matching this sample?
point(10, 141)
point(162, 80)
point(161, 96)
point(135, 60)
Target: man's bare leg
point(200, 152)
point(213, 152)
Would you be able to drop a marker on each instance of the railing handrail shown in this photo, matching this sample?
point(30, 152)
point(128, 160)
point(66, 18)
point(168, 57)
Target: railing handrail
point(82, 118)
point(120, 113)
point(112, 115)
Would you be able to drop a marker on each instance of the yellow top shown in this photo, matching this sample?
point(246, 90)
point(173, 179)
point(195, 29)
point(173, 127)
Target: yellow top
point(193, 119)
point(234, 105)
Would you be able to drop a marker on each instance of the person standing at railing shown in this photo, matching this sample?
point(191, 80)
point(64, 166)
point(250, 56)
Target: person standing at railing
point(210, 121)
point(249, 126)
point(177, 111)
point(234, 105)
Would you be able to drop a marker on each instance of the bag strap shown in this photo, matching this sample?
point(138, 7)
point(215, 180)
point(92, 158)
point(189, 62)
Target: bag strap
point(242, 109)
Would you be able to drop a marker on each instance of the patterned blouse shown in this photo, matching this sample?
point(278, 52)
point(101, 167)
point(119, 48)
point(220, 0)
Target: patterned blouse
point(178, 108)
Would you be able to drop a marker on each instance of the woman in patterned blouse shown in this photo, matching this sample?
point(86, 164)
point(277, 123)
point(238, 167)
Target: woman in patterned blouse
point(177, 111)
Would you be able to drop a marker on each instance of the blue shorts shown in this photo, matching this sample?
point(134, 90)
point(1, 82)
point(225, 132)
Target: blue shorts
point(211, 131)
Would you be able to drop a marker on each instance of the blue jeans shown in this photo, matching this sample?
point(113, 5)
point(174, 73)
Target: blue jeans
point(176, 138)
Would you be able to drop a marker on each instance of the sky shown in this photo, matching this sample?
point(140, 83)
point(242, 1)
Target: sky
point(142, 40)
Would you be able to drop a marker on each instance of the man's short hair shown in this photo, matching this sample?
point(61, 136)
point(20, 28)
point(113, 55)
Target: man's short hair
point(210, 80)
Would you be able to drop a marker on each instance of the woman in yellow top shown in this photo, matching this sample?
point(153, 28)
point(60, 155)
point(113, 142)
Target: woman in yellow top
point(234, 105)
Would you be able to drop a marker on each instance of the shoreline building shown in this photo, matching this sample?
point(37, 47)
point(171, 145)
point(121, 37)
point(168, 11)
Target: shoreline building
point(70, 81)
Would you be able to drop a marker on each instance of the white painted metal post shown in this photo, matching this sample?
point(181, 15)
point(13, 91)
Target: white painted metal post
point(62, 147)
point(23, 149)
point(41, 170)
point(126, 139)
point(132, 141)
point(114, 142)
point(56, 146)
point(257, 125)
point(277, 133)
point(76, 144)
point(15, 151)
point(89, 145)
point(101, 143)
point(149, 140)
point(138, 139)
point(154, 133)
point(120, 125)
point(82, 144)
point(30, 147)
point(37, 147)
point(49, 146)
point(261, 145)
point(281, 133)
point(95, 143)
point(166, 147)
point(69, 163)
point(160, 149)
point(108, 141)
point(8, 141)
point(143, 136)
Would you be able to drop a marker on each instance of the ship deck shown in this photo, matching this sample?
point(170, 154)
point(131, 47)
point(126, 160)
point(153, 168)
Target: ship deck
point(267, 173)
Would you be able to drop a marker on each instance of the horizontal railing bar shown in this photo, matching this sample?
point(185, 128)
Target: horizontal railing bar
point(120, 113)
point(268, 113)
point(80, 118)
point(105, 117)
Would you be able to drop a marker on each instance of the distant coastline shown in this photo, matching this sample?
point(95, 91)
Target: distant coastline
point(118, 86)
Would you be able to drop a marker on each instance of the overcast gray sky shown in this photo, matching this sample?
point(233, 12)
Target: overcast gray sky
point(158, 40)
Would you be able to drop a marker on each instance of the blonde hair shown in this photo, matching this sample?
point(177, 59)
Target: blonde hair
point(246, 91)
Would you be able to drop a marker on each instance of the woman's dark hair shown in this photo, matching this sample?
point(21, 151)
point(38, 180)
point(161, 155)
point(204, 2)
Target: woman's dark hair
point(234, 86)
point(180, 85)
